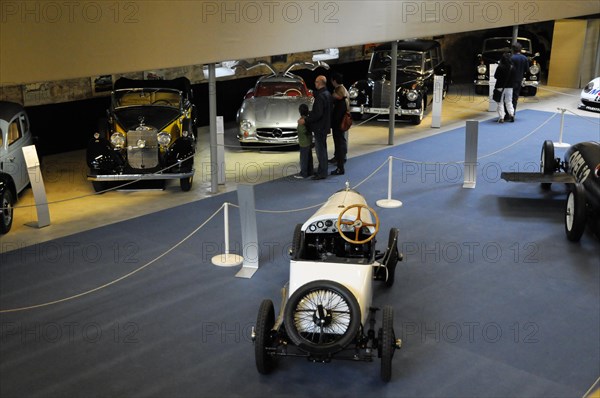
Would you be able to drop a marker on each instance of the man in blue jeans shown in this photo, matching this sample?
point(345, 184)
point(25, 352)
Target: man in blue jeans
point(319, 121)
point(520, 63)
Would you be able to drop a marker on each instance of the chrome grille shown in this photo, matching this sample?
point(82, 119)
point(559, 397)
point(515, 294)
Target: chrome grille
point(142, 158)
point(277, 133)
point(381, 94)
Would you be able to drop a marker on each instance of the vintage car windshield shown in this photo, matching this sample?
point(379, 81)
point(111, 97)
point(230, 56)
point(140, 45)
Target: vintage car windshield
point(267, 89)
point(407, 61)
point(503, 44)
point(147, 97)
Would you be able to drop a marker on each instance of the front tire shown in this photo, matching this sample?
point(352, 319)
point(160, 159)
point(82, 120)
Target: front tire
point(416, 120)
point(547, 166)
point(387, 343)
point(265, 363)
point(322, 317)
point(575, 213)
point(6, 211)
point(186, 183)
point(298, 243)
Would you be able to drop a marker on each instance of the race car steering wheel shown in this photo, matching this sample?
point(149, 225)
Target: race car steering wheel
point(358, 224)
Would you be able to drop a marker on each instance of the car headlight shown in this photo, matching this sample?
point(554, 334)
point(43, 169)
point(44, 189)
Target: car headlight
point(118, 140)
point(481, 69)
point(412, 95)
point(534, 69)
point(589, 87)
point(163, 138)
point(246, 125)
point(353, 92)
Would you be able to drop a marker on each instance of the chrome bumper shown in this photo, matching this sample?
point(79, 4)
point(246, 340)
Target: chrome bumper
point(386, 111)
point(129, 177)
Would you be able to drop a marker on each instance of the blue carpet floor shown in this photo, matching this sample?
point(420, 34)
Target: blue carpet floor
point(490, 301)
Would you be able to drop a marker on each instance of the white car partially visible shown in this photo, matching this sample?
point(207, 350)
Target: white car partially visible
point(590, 96)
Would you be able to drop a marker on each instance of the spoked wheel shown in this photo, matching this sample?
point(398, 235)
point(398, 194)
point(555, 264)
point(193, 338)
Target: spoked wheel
point(575, 213)
point(6, 211)
point(547, 161)
point(387, 343)
point(264, 324)
point(322, 317)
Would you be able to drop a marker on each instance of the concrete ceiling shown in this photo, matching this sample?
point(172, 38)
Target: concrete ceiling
point(56, 40)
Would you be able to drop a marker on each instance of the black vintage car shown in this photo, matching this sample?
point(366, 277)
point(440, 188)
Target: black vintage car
point(418, 62)
point(580, 170)
point(149, 134)
point(492, 51)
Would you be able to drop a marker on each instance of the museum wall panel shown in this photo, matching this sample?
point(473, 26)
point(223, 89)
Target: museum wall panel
point(46, 40)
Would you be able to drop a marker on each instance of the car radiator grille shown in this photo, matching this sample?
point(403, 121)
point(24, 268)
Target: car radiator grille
point(142, 158)
point(277, 133)
point(381, 94)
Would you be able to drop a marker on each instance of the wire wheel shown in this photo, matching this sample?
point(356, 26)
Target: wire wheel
point(322, 317)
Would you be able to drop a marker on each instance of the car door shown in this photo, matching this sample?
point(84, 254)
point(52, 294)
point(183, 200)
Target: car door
point(12, 160)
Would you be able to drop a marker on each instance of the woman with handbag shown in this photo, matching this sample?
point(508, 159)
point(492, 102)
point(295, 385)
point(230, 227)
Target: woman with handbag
point(503, 90)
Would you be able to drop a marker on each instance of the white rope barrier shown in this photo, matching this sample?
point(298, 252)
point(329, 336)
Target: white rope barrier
point(104, 286)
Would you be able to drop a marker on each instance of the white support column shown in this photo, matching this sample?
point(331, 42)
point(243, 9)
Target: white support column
point(37, 186)
point(471, 136)
point(438, 94)
point(250, 248)
point(492, 107)
point(221, 150)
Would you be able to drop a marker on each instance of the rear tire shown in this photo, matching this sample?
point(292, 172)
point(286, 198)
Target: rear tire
point(264, 325)
point(575, 213)
point(6, 211)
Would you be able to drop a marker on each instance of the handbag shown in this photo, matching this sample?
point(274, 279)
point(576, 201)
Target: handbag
point(497, 94)
point(346, 122)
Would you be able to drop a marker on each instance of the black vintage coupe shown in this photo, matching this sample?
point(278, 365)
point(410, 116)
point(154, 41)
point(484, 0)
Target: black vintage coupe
point(492, 51)
point(580, 170)
point(418, 62)
point(149, 134)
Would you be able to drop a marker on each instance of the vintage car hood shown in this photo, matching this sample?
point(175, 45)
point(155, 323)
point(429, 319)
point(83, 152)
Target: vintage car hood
point(402, 78)
point(492, 57)
point(155, 116)
point(274, 109)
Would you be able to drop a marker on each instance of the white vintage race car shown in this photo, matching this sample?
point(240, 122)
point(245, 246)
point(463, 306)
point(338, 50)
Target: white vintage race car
point(326, 309)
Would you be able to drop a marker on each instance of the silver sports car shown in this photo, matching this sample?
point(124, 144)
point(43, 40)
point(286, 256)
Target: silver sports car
point(269, 113)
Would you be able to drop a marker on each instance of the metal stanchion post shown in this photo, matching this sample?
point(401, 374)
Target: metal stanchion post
point(389, 202)
point(227, 259)
point(560, 143)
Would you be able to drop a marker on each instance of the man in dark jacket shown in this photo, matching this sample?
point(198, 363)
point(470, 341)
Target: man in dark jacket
point(319, 121)
point(520, 65)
